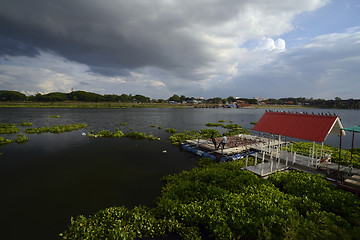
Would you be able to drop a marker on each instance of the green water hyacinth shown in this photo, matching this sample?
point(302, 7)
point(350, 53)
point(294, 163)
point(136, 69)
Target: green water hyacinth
point(25, 124)
point(6, 128)
point(21, 138)
point(54, 116)
point(232, 126)
point(171, 130)
point(4, 141)
point(136, 135)
point(107, 133)
point(56, 129)
point(214, 124)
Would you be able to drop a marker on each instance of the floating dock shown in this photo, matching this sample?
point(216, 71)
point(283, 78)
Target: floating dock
point(270, 158)
point(237, 147)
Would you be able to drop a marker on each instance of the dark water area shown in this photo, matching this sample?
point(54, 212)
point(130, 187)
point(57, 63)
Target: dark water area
point(56, 176)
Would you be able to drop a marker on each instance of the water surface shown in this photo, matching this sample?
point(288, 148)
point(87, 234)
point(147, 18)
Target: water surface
point(55, 176)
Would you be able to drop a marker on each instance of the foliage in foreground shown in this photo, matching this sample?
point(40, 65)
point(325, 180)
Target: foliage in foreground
point(304, 148)
point(220, 201)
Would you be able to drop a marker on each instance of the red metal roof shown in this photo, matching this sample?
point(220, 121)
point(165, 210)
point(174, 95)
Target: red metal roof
point(310, 127)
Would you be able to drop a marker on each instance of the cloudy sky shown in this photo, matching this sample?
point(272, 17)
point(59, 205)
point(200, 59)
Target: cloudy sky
point(199, 48)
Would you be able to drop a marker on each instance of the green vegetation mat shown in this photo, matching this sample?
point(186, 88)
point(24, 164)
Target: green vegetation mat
point(220, 201)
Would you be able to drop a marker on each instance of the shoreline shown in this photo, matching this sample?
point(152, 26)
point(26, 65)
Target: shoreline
point(133, 105)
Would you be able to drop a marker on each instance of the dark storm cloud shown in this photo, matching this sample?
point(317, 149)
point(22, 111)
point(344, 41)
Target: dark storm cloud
point(110, 37)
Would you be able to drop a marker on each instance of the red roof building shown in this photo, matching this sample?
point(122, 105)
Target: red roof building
point(311, 127)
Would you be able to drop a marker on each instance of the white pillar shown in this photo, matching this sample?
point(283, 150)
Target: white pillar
point(312, 156)
point(262, 164)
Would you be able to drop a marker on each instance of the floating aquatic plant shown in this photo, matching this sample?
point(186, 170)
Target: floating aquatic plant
point(214, 124)
point(25, 124)
point(21, 138)
point(4, 141)
point(123, 124)
point(56, 129)
point(6, 128)
point(171, 130)
point(153, 138)
point(136, 135)
point(232, 126)
point(107, 133)
point(54, 116)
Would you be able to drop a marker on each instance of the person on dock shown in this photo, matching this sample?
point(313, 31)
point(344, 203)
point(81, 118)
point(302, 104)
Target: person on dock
point(223, 142)
point(213, 140)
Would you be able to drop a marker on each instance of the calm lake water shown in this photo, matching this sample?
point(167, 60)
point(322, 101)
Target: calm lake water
point(56, 176)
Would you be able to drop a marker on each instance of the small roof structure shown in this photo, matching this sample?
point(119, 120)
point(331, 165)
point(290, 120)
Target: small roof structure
point(353, 128)
point(311, 127)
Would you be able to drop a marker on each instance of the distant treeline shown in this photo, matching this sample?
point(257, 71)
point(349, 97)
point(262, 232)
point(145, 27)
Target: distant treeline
point(84, 96)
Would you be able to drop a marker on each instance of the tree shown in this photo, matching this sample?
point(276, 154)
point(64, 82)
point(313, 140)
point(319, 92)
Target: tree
point(231, 99)
point(182, 98)
point(174, 98)
point(12, 96)
point(85, 96)
point(141, 98)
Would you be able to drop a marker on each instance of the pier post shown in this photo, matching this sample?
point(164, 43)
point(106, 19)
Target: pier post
point(312, 156)
point(279, 144)
point(262, 164)
point(294, 158)
point(255, 158)
point(287, 159)
point(271, 165)
point(247, 158)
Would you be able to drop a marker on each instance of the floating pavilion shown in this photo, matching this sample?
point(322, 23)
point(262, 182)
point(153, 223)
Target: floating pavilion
point(269, 152)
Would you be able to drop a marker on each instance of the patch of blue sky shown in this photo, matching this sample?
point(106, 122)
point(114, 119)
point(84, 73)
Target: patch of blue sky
point(335, 17)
